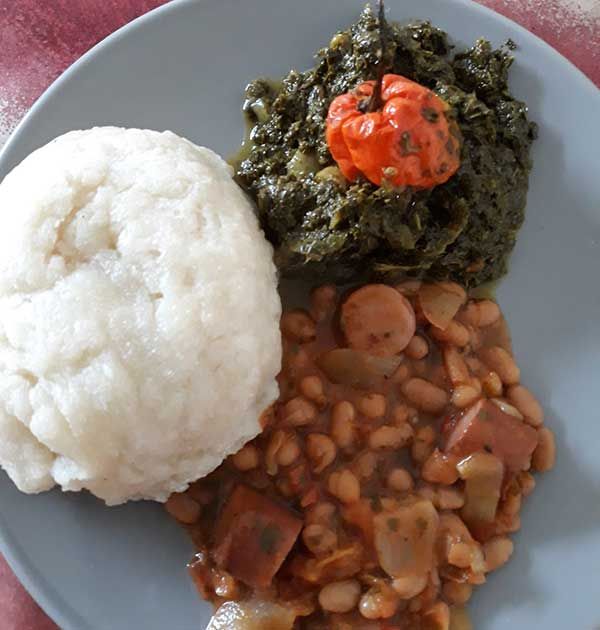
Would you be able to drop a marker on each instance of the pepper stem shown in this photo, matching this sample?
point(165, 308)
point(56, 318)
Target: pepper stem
point(376, 101)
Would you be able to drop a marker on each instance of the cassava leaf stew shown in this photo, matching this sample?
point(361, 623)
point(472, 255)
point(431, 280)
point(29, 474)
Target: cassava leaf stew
point(320, 222)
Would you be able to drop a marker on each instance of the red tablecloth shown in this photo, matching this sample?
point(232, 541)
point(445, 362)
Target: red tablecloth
point(40, 38)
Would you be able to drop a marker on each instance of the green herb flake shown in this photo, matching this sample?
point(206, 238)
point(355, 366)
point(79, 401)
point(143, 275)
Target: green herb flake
point(406, 145)
point(430, 115)
point(376, 505)
point(421, 525)
point(269, 538)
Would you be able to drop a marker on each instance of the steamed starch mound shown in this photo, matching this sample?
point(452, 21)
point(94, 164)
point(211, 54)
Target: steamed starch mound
point(139, 338)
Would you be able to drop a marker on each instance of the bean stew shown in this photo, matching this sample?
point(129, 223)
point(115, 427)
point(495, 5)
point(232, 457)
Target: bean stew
point(389, 475)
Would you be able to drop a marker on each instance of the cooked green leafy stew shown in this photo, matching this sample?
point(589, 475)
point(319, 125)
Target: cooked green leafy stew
point(320, 222)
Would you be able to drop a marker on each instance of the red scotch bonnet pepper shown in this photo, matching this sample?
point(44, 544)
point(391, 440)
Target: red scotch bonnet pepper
point(410, 141)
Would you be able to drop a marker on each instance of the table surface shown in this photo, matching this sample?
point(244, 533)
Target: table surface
point(40, 38)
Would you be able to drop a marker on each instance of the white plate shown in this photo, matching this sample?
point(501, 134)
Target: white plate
point(183, 67)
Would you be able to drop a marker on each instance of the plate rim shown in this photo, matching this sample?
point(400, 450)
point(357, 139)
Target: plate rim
point(57, 608)
point(174, 5)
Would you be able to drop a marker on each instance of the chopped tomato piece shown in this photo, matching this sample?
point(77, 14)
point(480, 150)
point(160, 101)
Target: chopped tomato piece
point(253, 536)
point(485, 427)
